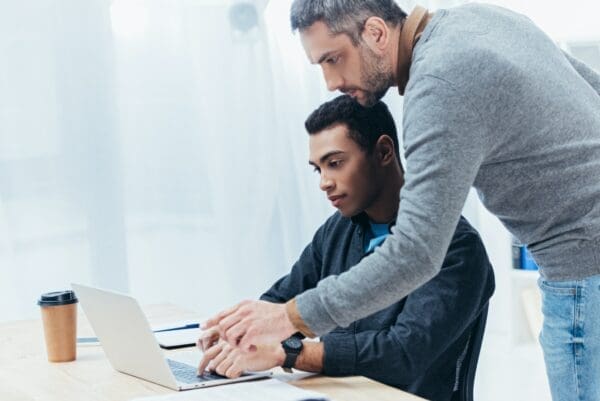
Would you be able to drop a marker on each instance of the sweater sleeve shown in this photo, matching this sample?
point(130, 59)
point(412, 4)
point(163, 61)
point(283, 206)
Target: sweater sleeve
point(445, 143)
point(591, 76)
point(433, 318)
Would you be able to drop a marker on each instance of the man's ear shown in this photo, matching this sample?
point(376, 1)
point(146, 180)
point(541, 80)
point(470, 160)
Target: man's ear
point(376, 34)
point(385, 151)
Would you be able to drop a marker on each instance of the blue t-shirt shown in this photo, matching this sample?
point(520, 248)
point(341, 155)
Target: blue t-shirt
point(376, 236)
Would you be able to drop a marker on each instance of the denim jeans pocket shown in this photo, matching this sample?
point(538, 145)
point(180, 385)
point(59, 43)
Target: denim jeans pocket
point(568, 288)
point(559, 306)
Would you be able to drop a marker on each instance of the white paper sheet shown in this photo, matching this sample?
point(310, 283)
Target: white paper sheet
point(261, 390)
point(165, 338)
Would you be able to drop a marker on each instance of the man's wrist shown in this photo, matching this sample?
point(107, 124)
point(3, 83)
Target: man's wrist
point(295, 319)
point(311, 357)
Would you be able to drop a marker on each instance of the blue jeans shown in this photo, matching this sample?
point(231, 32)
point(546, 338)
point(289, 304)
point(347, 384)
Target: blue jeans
point(570, 338)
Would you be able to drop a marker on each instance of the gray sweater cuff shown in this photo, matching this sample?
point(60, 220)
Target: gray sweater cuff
point(339, 354)
point(313, 313)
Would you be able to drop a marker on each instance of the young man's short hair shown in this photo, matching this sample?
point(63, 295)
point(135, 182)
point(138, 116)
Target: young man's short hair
point(344, 16)
point(365, 124)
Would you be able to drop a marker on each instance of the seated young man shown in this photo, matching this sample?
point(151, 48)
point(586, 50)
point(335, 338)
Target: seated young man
point(415, 344)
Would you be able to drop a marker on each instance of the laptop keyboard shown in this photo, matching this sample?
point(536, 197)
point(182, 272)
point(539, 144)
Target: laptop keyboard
point(187, 374)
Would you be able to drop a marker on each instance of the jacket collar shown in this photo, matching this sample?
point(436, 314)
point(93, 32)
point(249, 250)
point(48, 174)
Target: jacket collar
point(363, 221)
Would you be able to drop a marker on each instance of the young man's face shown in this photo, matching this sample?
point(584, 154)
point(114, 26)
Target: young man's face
point(354, 70)
point(349, 175)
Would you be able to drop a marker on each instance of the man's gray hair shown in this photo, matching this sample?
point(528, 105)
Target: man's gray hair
point(344, 16)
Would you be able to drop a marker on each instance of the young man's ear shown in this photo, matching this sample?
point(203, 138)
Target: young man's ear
point(385, 151)
point(376, 34)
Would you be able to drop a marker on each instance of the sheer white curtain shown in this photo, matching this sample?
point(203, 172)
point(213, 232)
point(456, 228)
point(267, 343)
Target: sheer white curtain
point(150, 146)
point(60, 210)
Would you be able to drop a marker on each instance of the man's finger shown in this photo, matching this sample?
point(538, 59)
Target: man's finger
point(207, 343)
point(226, 363)
point(234, 371)
point(236, 332)
point(212, 322)
point(208, 339)
point(221, 367)
point(230, 321)
point(201, 341)
point(207, 357)
point(218, 360)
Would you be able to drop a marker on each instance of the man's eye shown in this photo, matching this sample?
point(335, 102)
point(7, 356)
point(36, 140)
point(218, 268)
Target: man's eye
point(333, 60)
point(317, 170)
point(335, 163)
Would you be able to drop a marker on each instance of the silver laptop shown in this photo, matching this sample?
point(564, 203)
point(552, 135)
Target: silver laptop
point(131, 347)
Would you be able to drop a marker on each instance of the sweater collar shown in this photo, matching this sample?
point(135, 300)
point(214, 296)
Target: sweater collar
point(410, 33)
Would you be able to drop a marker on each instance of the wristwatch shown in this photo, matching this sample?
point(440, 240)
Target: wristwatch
point(292, 348)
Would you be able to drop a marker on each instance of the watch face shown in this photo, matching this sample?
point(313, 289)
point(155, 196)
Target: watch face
point(293, 343)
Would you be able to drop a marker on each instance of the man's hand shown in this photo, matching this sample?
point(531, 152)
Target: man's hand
point(231, 361)
point(252, 322)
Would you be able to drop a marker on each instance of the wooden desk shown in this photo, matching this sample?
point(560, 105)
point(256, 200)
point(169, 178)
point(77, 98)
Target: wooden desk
point(26, 375)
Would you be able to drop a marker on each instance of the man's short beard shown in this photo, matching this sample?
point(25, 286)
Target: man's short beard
point(376, 75)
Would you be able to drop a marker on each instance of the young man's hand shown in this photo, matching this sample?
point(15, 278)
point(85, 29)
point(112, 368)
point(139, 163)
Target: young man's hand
point(231, 361)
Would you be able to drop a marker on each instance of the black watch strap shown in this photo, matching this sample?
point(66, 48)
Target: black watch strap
point(290, 360)
point(292, 348)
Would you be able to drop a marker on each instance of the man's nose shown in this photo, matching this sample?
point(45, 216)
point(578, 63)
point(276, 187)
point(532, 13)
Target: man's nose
point(333, 81)
point(326, 183)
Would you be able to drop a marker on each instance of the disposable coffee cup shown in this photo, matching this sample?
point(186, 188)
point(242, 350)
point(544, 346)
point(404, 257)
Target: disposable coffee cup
point(59, 316)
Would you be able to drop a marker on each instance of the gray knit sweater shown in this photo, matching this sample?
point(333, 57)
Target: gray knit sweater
point(491, 103)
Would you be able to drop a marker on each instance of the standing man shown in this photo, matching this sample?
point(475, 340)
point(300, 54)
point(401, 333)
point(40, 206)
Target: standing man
point(491, 102)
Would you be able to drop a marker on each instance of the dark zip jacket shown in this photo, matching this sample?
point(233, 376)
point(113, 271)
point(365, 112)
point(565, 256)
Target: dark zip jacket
point(415, 344)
